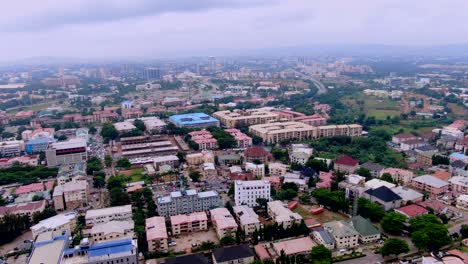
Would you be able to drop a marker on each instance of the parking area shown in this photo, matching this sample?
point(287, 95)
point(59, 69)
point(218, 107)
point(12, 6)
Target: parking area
point(184, 242)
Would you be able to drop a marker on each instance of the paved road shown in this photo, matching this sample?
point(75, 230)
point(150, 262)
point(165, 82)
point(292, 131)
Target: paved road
point(370, 258)
point(321, 88)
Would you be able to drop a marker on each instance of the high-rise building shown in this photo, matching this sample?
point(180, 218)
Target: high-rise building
point(187, 202)
point(212, 66)
point(247, 192)
point(152, 74)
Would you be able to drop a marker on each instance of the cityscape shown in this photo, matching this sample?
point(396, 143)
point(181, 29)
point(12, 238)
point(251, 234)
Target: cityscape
point(232, 151)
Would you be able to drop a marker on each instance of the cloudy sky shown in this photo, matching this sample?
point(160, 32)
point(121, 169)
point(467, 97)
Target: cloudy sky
point(165, 28)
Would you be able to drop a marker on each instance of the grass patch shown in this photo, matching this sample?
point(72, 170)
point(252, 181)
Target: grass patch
point(303, 212)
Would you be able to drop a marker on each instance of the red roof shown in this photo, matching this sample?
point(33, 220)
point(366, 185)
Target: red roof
point(24, 207)
point(256, 152)
point(434, 204)
point(346, 160)
point(312, 223)
point(241, 176)
point(412, 210)
point(33, 187)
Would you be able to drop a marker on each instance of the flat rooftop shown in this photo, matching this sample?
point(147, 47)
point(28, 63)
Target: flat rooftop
point(192, 119)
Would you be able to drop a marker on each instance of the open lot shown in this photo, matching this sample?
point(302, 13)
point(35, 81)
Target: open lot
point(326, 216)
point(184, 242)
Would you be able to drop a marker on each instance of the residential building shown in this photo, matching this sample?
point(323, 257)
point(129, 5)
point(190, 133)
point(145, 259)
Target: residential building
point(11, 148)
point(384, 197)
point(424, 157)
point(408, 195)
point(368, 233)
point(280, 131)
point(412, 210)
point(277, 169)
point(247, 218)
point(71, 195)
point(112, 230)
point(459, 184)
point(344, 234)
point(197, 258)
point(430, 184)
point(187, 223)
point(156, 234)
point(38, 145)
point(123, 251)
point(399, 175)
point(223, 222)
point(275, 182)
point(301, 183)
point(105, 215)
point(124, 127)
point(28, 208)
point(322, 237)
point(194, 120)
point(241, 118)
point(66, 152)
point(48, 247)
point(243, 141)
point(247, 192)
point(400, 138)
point(462, 202)
point(376, 183)
point(60, 222)
point(412, 144)
point(230, 159)
point(233, 255)
point(257, 170)
point(204, 139)
point(282, 215)
point(346, 164)
point(186, 202)
point(374, 168)
point(257, 153)
point(196, 159)
point(292, 247)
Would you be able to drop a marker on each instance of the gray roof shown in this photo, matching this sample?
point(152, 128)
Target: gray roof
point(341, 229)
point(372, 166)
point(431, 181)
point(327, 238)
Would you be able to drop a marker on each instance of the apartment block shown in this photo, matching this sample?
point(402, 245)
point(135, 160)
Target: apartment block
point(60, 222)
point(279, 131)
point(344, 234)
point(247, 219)
point(66, 152)
point(186, 202)
point(105, 215)
point(196, 159)
point(430, 184)
point(156, 234)
point(112, 230)
point(277, 169)
point(243, 141)
point(239, 118)
point(282, 215)
point(71, 195)
point(223, 222)
point(188, 223)
point(11, 148)
point(247, 192)
point(257, 170)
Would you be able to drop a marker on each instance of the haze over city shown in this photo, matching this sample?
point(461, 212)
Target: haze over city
point(165, 28)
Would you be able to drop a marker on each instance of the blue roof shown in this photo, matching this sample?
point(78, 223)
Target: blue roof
point(41, 140)
point(111, 247)
point(193, 118)
point(457, 155)
point(127, 102)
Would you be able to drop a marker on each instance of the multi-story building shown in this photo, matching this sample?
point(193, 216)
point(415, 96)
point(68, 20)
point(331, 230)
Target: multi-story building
point(11, 148)
point(384, 197)
point(71, 195)
point(66, 152)
point(368, 233)
point(282, 215)
point(171, 160)
point(240, 254)
point(105, 215)
point(122, 251)
point(247, 219)
point(277, 169)
point(398, 175)
point(345, 236)
point(280, 131)
point(322, 237)
point(152, 124)
point(38, 145)
point(243, 141)
point(459, 184)
point(223, 222)
point(124, 127)
point(430, 184)
point(462, 202)
point(196, 159)
point(112, 230)
point(346, 164)
point(257, 170)
point(156, 234)
point(352, 130)
point(188, 223)
point(23, 208)
point(204, 139)
point(186, 202)
point(194, 120)
point(240, 118)
point(257, 153)
point(247, 192)
point(60, 222)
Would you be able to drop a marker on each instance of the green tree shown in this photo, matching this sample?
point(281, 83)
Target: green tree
point(99, 182)
point(394, 247)
point(317, 165)
point(140, 125)
point(108, 160)
point(393, 223)
point(227, 240)
point(364, 172)
point(118, 197)
point(437, 159)
point(262, 203)
point(123, 163)
point(195, 176)
point(427, 232)
point(320, 255)
point(464, 231)
point(368, 209)
point(387, 177)
point(108, 132)
point(334, 200)
point(92, 130)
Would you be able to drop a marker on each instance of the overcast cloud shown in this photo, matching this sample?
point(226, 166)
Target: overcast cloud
point(164, 28)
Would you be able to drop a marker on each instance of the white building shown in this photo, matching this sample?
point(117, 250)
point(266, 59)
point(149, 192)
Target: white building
point(60, 222)
point(277, 169)
point(66, 152)
point(462, 202)
point(111, 231)
point(105, 215)
point(124, 127)
point(247, 219)
point(247, 192)
point(11, 148)
point(282, 215)
point(256, 169)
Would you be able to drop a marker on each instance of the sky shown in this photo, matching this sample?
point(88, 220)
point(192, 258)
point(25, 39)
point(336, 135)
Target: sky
point(165, 28)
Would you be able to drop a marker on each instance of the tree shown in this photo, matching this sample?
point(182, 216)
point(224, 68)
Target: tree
point(108, 160)
point(93, 165)
point(387, 177)
point(115, 182)
point(62, 138)
point(108, 132)
point(464, 231)
point(368, 209)
point(394, 246)
point(227, 240)
point(334, 200)
point(393, 223)
point(139, 125)
point(437, 159)
point(427, 232)
point(195, 176)
point(99, 182)
point(317, 165)
point(364, 172)
point(123, 163)
point(320, 255)
point(118, 197)
point(287, 194)
point(92, 130)
point(290, 186)
point(262, 202)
